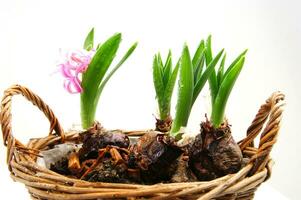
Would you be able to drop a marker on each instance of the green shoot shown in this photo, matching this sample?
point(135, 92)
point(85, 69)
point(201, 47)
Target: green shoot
point(164, 78)
point(94, 80)
point(191, 82)
point(185, 92)
point(221, 83)
point(89, 41)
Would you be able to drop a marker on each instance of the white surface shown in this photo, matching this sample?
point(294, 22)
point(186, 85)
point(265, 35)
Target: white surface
point(32, 31)
point(265, 191)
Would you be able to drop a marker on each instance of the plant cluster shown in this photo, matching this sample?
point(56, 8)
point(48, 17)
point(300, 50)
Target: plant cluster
point(156, 156)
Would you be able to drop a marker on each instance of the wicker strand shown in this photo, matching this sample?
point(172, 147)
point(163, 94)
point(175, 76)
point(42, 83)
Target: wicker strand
point(269, 135)
point(256, 125)
point(239, 175)
point(6, 116)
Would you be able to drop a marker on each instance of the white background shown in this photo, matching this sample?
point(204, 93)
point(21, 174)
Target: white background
point(31, 32)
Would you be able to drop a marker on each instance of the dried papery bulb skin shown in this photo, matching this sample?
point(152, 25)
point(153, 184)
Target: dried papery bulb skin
point(154, 154)
point(214, 152)
point(97, 138)
point(74, 163)
point(164, 125)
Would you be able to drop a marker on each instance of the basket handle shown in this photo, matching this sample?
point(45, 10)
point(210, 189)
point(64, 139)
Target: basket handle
point(266, 122)
point(5, 117)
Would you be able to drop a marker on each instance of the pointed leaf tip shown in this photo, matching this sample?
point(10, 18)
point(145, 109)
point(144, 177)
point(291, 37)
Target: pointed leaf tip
point(89, 41)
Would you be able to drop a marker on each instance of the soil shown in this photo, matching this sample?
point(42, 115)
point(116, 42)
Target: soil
point(61, 167)
point(108, 171)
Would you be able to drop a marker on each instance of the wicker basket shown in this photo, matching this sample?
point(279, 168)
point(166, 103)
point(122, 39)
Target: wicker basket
point(43, 183)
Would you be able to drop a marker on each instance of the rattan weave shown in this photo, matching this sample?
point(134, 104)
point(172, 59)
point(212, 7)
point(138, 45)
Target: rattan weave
point(43, 183)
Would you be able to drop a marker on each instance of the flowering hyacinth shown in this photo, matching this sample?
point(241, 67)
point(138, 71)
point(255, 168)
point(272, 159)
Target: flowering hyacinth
point(86, 72)
point(72, 65)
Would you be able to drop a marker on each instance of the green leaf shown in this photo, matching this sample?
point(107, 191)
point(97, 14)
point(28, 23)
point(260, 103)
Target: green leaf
point(92, 78)
point(220, 71)
point(100, 63)
point(199, 68)
point(124, 58)
point(167, 70)
point(201, 82)
point(185, 92)
point(198, 61)
point(164, 83)
point(161, 65)
point(99, 45)
point(158, 80)
point(226, 87)
point(235, 61)
point(168, 93)
point(208, 50)
point(89, 41)
point(168, 60)
point(212, 78)
point(198, 54)
point(160, 62)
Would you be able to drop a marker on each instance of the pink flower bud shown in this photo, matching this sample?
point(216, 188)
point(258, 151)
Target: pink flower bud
point(74, 63)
